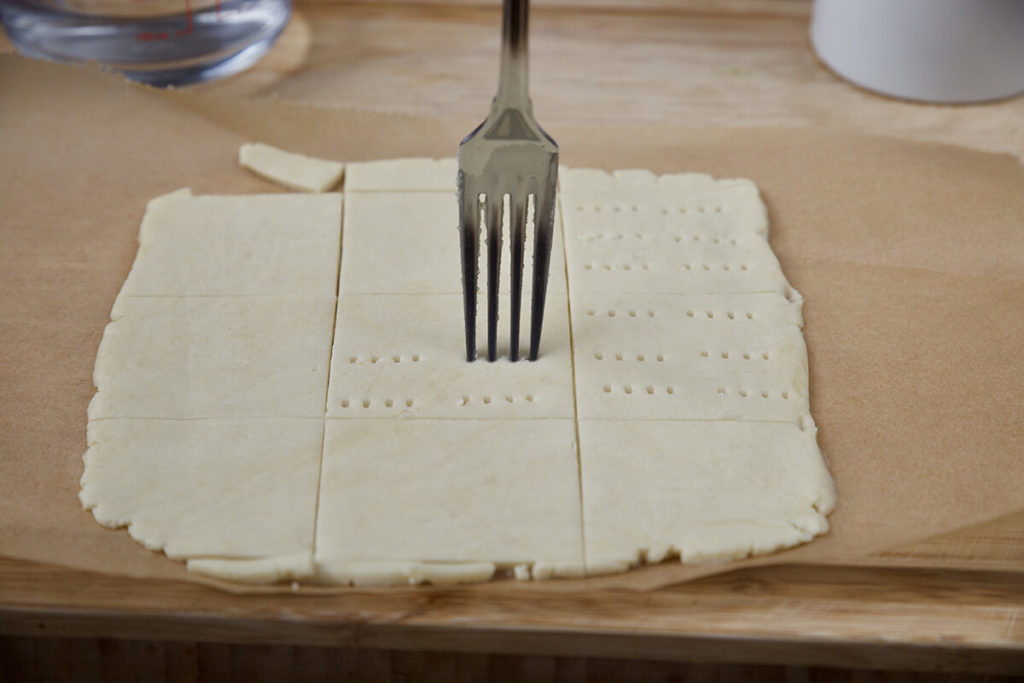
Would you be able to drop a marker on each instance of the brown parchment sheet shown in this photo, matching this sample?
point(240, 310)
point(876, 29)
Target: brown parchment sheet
point(910, 258)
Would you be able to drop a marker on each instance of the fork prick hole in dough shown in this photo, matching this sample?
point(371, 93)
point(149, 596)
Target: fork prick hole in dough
point(599, 356)
point(670, 389)
point(388, 402)
point(649, 389)
point(607, 388)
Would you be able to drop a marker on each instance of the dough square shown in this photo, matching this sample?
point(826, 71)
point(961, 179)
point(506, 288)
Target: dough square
point(677, 200)
point(634, 232)
point(398, 175)
point(403, 355)
point(244, 245)
point(498, 491)
point(240, 488)
point(214, 357)
point(726, 357)
point(709, 491)
point(408, 243)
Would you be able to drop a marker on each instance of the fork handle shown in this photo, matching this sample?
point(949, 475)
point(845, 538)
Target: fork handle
point(513, 77)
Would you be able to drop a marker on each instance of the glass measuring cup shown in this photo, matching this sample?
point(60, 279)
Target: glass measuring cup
point(160, 42)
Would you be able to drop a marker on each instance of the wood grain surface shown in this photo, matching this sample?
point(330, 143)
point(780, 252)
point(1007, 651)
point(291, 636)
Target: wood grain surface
point(745, 62)
point(925, 620)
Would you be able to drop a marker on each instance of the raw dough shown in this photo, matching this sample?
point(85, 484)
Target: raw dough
point(691, 373)
point(457, 490)
point(243, 245)
point(672, 353)
point(187, 357)
point(238, 488)
point(291, 170)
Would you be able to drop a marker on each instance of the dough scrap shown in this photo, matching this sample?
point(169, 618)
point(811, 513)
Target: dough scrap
point(296, 567)
point(294, 171)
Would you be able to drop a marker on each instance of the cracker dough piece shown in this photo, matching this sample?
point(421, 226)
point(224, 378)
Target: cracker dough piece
point(633, 232)
point(709, 491)
point(725, 357)
point(214, 357)
point(241, 488)
point(399, 175)
point(408, 243)
point(245, 245)
point(491, 491)
point(294, 171)
point(402, 356)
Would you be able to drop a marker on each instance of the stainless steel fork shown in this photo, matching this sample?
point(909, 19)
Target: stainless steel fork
point(508, 154)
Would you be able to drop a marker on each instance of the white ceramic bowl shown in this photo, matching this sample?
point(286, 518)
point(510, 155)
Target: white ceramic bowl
point(930, 50)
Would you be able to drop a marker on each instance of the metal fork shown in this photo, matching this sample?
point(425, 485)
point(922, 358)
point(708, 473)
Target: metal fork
point(507, 154)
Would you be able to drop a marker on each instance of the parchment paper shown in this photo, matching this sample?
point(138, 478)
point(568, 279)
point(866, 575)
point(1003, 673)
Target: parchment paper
point(910, 258)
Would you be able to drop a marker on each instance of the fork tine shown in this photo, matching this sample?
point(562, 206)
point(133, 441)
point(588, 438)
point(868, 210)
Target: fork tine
point(469, 229)
point(495, 209)
point(544, 220)
point(517, 233)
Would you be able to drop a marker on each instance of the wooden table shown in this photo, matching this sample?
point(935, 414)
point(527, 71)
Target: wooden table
point(702, 62)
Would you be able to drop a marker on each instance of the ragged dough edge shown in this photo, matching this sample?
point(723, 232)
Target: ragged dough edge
point(396, 573)
point(294, 567)
point(294, 171)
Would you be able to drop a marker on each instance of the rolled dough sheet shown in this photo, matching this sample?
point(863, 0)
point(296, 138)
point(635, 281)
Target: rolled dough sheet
point(668, 414)
point(291, 170)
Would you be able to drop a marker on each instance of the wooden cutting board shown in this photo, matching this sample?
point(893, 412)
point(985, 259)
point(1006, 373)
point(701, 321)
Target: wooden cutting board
point(899, 610)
